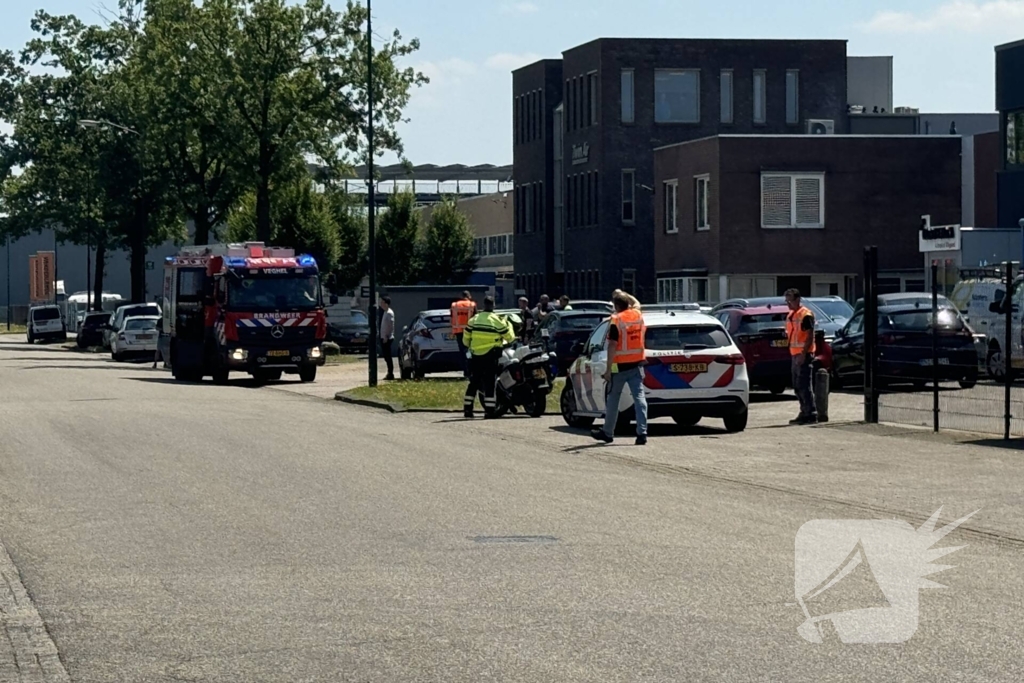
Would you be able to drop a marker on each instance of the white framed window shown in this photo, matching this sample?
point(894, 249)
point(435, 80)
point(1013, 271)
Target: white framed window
point(793, 200)
point(626, 88)
point(677, 96)
point(701, 185)
point(760, 96)
point(726, 95)
point(682, 290)
point(793, 97)
point(671, 195)
point(628, 196)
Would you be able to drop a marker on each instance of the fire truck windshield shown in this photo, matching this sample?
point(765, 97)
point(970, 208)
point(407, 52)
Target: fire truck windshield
point(270, 293)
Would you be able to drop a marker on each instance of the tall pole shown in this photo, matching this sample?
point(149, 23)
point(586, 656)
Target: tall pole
point(372, 237)
point(8, 282)
point(88, 274)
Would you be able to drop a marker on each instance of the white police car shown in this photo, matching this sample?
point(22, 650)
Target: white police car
point(693, 370)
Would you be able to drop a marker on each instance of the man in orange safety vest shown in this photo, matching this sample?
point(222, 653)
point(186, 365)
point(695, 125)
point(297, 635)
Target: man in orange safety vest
point(625, 367)
point(800, 332)
point(462, 310)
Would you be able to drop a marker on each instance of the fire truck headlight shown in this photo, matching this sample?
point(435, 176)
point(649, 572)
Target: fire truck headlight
point(239, 354)
point(315, 352)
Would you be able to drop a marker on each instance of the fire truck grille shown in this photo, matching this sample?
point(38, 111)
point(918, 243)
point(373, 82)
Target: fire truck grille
point(286, 335)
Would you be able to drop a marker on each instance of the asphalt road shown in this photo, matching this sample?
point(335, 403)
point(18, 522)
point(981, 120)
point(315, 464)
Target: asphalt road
point(169, 532)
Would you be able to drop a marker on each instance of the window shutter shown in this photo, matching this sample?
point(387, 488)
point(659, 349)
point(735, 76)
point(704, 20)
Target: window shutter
point(808, 202)
point(776, 201)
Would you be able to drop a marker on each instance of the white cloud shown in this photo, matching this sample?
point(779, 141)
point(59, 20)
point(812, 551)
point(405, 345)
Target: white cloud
point(984, 16)
point(519, 8)
point(507, 61)
point(447, 71)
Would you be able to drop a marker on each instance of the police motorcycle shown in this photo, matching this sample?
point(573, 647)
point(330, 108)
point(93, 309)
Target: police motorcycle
point(525, 378)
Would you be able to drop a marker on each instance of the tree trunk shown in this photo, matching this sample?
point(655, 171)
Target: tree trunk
point(263, 210)
point(97, 287)
point(202, 223)
point(137, 257)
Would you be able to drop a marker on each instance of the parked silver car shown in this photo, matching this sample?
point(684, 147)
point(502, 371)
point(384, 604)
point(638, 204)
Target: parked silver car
point(427, 345)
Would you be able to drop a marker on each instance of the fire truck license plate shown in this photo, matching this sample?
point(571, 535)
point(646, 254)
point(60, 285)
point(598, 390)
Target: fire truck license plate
point(276, 353)
point(689, 368)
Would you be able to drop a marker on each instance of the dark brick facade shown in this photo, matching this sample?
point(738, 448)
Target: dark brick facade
point(600, 247)
point(875, 191)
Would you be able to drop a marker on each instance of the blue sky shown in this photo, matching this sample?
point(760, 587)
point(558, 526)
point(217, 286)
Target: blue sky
point(943, 49)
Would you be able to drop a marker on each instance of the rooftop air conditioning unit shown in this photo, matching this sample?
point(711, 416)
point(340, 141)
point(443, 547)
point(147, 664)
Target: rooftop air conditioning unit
point(907, 110)
point(821, 127)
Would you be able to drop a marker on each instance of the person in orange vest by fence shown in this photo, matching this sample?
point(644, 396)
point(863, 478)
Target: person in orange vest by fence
point(462, 310)
point(625, 367)
point(800, 332)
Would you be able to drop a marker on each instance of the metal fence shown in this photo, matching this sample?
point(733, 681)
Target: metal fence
point(923, 366)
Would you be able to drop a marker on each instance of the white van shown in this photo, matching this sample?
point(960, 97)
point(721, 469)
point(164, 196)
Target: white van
point(980, 300)
point(46, 323)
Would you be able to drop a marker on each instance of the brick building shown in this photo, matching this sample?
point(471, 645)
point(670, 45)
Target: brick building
point(585, 128)
point(751, 215)
point(490, 218)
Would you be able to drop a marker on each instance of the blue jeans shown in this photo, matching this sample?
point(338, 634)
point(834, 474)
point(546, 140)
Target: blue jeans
point(634, 379)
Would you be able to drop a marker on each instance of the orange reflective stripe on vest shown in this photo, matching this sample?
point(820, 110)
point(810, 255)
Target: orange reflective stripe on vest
point(630, 347)
point(799, 338)
point(462, 311)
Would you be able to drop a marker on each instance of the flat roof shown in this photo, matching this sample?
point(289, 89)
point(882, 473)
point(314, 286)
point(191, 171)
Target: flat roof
point(1009, 46)
point(805, 136)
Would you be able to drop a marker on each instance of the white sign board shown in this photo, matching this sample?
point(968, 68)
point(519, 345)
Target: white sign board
point(939, 238)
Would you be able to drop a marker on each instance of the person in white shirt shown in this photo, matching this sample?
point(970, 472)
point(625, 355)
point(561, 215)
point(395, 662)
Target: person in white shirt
point(387, 334)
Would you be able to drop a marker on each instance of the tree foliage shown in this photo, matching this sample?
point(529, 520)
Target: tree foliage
point(397, 233)
point(350, 217)
point(447, 248)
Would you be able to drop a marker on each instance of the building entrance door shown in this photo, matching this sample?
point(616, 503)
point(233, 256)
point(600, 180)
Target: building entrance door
point(801, 282)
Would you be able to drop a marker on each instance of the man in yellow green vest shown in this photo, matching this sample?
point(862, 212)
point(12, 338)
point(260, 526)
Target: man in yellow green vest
point(486, 333)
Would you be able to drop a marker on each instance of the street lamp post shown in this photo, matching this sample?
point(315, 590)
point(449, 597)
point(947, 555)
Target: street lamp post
point(1021, 224)
point(371, 215)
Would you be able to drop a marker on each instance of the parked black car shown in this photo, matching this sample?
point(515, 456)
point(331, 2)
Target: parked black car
point(351, 333)
point(905, 345)
point(90, 330)
point(561, 331)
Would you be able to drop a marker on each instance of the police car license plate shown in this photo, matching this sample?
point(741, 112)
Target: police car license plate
point(688, 368)
point(277, 353)
point(144, 337)
point(780, 343)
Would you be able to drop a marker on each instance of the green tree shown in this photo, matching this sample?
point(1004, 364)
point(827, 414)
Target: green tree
point(296, 76)
point(302, 219)
point(187, 107)
point(398, 240)
point(447, 248)
point(350, 217)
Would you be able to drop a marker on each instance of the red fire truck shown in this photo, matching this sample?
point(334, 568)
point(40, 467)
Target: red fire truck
point(244, 308)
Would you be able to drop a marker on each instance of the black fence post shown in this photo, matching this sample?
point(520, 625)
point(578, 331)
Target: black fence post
point(1008, 348)
point(870, 334)
point(935, 347)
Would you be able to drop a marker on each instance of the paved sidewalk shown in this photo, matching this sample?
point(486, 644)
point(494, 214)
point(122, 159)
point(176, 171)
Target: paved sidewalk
point(27, 653)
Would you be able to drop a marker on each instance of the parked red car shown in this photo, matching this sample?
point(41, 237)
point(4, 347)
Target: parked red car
point(760, 332)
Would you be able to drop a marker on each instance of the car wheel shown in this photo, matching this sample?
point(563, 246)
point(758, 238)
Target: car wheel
point(567, 405)
point(221, 375)
point(687, 419)
point(29, 338)
point(777, 389)
point(417, 373)
point(115, 356)
point(404, 372)
point(969, 382)
point(736, 423)
point(994, 363)
point(537, 408)
point(307, 373)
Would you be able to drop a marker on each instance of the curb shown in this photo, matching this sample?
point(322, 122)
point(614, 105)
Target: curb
point(390, 407)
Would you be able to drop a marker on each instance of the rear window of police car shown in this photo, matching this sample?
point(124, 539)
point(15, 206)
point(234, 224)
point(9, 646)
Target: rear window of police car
point(45, 314)
point(688, 336)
